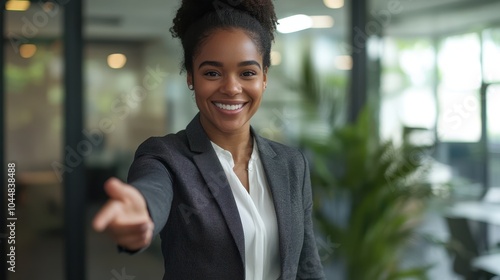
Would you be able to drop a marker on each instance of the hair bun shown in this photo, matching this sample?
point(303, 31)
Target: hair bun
point(192, 10)
point(195, 19)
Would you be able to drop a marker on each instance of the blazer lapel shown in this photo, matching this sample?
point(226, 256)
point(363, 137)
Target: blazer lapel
point(277, 177)
point(214, 175)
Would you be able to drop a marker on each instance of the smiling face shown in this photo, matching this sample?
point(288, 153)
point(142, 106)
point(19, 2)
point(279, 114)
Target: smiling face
point(229, 80)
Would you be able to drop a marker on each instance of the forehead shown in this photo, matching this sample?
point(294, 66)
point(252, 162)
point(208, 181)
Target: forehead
point(228, 45)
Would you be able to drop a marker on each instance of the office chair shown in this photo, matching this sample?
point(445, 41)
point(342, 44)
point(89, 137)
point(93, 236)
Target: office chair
point(464, 248)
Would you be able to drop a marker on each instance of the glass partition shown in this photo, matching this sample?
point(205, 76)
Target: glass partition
point(460, 79)
point(34, 120)
point(407, 94)
point(491, 55)
point(493, 115)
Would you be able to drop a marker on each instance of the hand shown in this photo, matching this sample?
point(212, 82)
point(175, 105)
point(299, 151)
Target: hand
point(125, 216)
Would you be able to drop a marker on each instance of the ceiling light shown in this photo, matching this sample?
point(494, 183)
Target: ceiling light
point(17, 5)
point(334, 4)
point(117, 60)
point(343, 62)
point(27, 50)
point(294, 23)
point(322, 21)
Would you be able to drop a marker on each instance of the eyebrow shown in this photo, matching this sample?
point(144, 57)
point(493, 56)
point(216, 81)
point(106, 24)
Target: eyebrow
point(248, 63)
point(219, 64)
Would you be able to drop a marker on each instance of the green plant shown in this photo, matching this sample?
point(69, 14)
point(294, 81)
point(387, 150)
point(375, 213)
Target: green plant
point(383, 193)
point(377, 187)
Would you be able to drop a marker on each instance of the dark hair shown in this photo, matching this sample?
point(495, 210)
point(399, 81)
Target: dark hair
point(197, 19)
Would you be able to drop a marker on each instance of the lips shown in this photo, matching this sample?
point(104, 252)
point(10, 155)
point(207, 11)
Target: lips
point(229, 107)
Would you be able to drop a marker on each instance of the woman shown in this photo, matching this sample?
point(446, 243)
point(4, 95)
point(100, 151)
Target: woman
point(226, 203)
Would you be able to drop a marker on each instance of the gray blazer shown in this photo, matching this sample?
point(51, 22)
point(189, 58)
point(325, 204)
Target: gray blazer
point(194, 211)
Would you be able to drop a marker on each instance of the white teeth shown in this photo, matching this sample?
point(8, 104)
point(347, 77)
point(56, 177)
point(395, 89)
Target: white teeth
point(228, 107)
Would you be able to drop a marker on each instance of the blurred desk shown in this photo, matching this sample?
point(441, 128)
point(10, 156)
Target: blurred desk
point(477, 211)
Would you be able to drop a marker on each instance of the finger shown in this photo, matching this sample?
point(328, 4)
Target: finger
point(116, 189)
point(105, 216)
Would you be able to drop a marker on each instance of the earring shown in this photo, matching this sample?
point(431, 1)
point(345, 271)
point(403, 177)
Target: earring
point(191, 87)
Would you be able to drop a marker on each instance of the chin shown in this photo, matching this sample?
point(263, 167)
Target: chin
point(231, 126)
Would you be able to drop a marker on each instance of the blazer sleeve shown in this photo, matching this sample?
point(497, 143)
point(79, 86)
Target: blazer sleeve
point(149, 175)
point(310, 266)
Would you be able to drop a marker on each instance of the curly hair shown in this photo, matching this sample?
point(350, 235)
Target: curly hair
point(197, 19)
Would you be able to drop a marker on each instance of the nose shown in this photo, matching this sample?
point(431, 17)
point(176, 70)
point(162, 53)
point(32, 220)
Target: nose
point(231, 86)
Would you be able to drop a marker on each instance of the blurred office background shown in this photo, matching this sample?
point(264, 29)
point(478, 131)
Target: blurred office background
point(431, 67)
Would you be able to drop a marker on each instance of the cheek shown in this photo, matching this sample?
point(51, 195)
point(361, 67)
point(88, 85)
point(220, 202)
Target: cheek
point(201, 96)
point(257, 90)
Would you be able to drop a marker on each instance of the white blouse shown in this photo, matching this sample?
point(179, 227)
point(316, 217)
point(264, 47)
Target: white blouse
point(257, 214)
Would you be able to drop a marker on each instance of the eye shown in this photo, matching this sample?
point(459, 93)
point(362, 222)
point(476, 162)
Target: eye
point(211, 74)
point(248, 73)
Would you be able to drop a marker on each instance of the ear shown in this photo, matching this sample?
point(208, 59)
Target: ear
point(189, 78)
point(264, 78)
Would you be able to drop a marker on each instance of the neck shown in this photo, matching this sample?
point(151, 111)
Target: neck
point(239, 144)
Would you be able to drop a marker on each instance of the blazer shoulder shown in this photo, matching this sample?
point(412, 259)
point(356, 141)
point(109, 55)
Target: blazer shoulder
point(288, 153)
point(159, 145)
